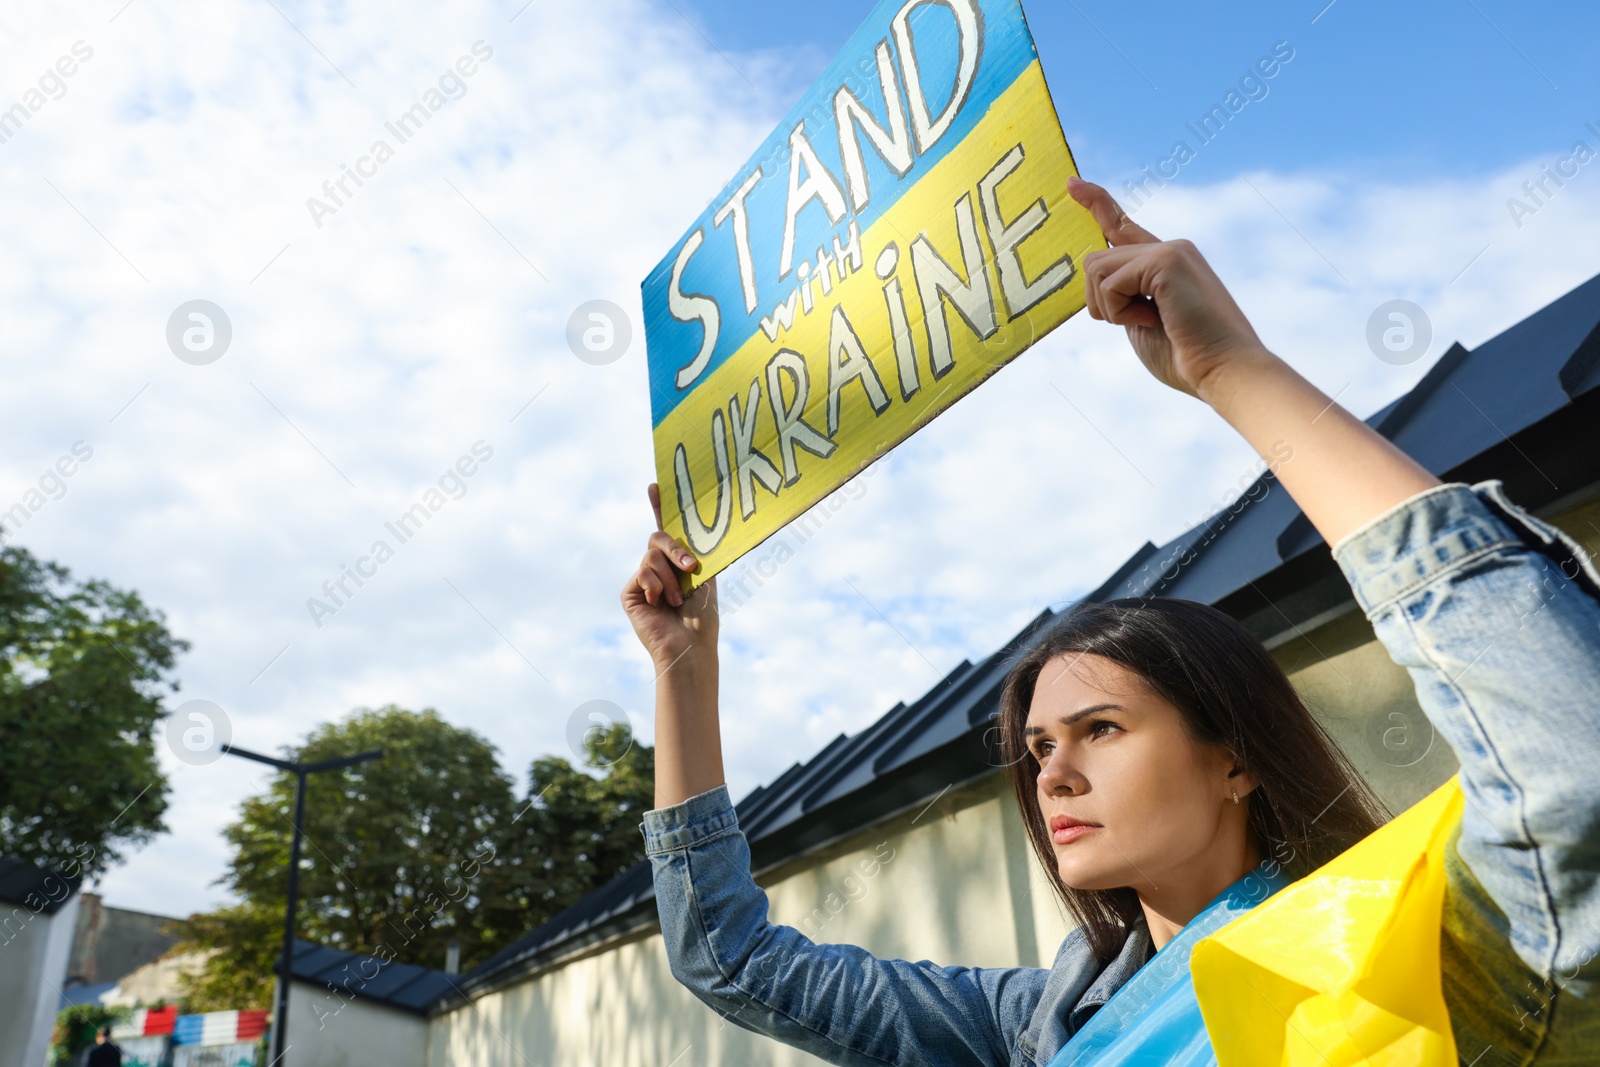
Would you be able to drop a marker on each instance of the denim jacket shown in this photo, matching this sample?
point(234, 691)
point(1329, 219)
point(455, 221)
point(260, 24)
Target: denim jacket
point(1496, 616)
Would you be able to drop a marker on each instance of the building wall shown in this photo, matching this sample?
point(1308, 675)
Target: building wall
point(109, 943)
point(160, 982)
point(955, 883)
point(1368, 703)
point(326, 1030)
point(34, 948)
point(1370, 707)
point(951, 883)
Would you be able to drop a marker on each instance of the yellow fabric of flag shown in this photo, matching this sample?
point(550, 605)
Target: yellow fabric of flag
point(1340, 968)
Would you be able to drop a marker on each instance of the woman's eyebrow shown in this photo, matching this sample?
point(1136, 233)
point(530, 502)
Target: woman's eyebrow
point(1068, 720)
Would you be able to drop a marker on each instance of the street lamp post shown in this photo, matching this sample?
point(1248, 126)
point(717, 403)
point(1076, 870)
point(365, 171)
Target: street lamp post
point(280, 1015)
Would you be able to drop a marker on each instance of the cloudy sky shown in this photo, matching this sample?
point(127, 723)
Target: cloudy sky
point(373, 346)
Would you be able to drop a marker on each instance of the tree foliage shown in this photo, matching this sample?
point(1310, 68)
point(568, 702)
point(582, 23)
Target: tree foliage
point(82, 669)
point(425, 847)
point(578, 830)
point(242, 944)
point(393, 847)
point(76, 1028)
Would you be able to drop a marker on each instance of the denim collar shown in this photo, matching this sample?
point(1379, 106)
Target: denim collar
point(1238, 898)
point(1153, 1015)
point(1136, 950)
point(1076, 979)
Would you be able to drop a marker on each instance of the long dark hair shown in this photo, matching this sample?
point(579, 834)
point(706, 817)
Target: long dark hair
point(1311, 803)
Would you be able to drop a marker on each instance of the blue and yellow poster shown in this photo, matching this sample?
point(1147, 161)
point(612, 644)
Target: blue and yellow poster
point(902, 234)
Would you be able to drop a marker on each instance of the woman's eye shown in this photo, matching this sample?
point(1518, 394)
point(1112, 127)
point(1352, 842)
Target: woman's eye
point(1095, 728)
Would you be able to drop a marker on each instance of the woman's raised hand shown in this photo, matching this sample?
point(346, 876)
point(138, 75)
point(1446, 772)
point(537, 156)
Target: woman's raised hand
point(667, 623)
point(1181, 320)
point(1190, 334)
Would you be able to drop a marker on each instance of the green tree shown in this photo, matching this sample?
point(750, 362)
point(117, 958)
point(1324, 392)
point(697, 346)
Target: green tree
point(242, 944)
point(82, 667)
point(76, 1028)
point(575, 830)
point(392, 858)
point(427, 846)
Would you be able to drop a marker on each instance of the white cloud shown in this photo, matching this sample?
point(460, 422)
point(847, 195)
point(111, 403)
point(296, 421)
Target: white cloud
point(408, 327)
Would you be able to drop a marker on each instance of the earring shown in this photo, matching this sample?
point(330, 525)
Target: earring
point(1236, 796)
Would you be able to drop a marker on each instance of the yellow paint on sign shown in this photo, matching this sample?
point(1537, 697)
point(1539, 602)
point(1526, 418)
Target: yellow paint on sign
point(989, 238)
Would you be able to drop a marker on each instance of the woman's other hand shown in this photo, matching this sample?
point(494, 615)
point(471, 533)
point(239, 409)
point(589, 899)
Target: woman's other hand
point(667, 623)
point(1180, 318)
point(1190, 334)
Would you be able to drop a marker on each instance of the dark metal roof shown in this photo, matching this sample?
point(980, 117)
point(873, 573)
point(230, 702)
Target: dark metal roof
point(38, 889)
point(403, 986)
point(1521, 407)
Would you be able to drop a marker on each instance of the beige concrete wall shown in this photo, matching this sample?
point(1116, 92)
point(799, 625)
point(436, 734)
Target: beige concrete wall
point(952, 883)
point(1370, 707)
point(160, 982)
point(1368, 703)
point(328, 1030)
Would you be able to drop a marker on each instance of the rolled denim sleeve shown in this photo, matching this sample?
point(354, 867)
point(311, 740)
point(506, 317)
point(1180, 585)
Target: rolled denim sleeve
point(837, 1002)
point(1495, 614)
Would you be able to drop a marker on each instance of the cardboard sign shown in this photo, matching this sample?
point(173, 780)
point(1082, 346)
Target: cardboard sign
point(902, 234)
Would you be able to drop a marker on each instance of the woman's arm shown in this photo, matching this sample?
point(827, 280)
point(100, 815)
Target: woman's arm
point(838, 1002)
point(1187, 329)
point(1493, 612)
point(681, 637)
point(688, 736)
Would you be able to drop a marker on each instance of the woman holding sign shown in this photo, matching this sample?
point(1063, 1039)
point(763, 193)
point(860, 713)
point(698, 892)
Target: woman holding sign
point(1174, 785)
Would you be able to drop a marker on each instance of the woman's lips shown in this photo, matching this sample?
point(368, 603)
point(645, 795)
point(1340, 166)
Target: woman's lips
point(1065, 830)
point(1068, 834)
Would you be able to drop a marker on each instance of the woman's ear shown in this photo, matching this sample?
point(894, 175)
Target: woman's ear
point(1242, 779)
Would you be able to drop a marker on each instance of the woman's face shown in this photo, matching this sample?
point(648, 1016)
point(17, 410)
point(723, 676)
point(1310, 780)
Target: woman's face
point(1114, 755)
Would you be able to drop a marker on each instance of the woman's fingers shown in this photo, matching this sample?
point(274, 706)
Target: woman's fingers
point(670, 546)
point(664, 555)
point(1113, 221)
point(649, 584)
point(1097, 267)
point(1091, 298)
point(672, 549)
point(1123, 297)
point(656, 582)
point(661, 569)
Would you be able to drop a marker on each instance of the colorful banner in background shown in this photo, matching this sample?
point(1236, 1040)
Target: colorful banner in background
point(214, 1039)
point(220, 1027)
point(902, 234)
point(145, 1022)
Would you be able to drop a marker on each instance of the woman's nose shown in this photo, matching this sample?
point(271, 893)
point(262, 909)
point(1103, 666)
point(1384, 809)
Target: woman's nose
point(1058, 776)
